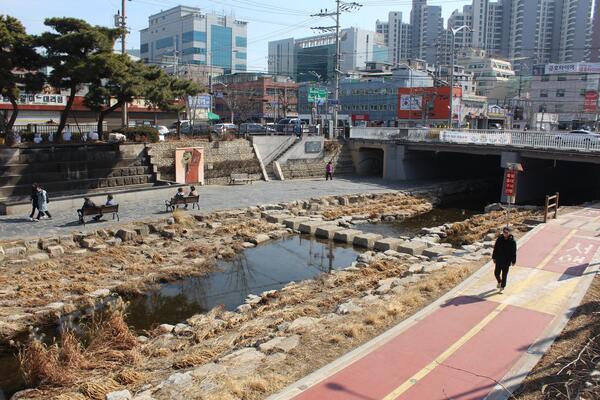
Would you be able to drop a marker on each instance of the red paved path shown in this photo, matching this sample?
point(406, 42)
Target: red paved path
point(500, 333)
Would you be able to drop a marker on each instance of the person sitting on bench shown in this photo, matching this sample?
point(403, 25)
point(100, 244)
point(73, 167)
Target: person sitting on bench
point(87, 203)
point(193, 193)
point(179, 195)
point(110, 201)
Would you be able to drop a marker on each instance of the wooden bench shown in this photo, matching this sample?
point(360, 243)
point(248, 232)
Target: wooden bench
point(82, 213)
point(243, 178)
point(178, 201)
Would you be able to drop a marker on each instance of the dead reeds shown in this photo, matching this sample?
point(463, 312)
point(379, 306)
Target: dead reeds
point(110, 343)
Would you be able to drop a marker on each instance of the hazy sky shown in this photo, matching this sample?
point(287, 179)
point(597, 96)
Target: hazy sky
point(267, 19)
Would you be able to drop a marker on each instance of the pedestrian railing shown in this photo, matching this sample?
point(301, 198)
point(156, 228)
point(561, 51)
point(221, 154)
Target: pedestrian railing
point(523, 139)
point(382, 133)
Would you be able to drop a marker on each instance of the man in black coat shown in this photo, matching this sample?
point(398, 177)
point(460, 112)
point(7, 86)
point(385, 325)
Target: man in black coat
point(504, 255)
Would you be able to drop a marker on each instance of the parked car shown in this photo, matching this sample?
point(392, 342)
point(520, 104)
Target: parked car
point(252, 128)
point(163, 131)
point(283, 123)
point(224, 128)
point(189, 129)
point(271, 127)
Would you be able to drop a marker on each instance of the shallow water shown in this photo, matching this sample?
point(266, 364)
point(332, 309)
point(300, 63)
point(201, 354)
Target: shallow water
point(412, 226)
point(266, 267)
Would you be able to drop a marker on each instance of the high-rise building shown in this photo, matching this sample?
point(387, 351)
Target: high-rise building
point(190, 36)
point(463, 38)
point(575, 26)
point(383, 27)
point(313, 58)
point(432, 25)
point(494, 28)
point(399, 39)
point(416, 20)
point(594, 47)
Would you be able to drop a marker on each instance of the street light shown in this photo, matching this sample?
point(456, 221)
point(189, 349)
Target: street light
point(454, 32)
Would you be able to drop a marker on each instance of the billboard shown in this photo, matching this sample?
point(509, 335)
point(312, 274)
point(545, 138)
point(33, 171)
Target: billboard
point(572, 68)
point(201, 101)
point(408, 102)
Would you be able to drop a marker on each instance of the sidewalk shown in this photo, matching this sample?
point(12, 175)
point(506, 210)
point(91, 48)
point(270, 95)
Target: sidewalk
point(150, 205)
point(473, 343)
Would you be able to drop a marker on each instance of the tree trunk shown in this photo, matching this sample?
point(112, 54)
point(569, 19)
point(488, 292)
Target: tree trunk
point(103, 114)
point(65, 113)
point(14, 114)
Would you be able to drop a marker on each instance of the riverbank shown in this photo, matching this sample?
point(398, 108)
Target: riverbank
point(358, 297)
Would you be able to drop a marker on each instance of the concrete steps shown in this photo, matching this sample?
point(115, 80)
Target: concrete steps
point(73, 168)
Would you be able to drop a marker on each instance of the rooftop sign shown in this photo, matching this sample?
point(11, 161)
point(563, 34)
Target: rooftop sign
point(572, 68)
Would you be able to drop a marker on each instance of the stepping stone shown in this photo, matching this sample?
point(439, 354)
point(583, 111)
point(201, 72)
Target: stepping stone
point(366, 240)
point(294, 223)
point(310, 226)
point(276, 218)
point(346, 235)
point(412, 248)
point(328, 231)
point(437, 251)
point(387, 244)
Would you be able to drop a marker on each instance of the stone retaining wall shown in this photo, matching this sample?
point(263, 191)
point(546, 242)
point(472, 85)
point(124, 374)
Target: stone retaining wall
point(222, 159)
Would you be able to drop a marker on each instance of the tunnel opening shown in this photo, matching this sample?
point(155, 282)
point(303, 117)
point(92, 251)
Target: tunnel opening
point(370, 162)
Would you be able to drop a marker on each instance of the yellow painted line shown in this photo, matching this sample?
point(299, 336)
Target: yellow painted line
point(446, 354)
point(556, 249)
point(476, 329)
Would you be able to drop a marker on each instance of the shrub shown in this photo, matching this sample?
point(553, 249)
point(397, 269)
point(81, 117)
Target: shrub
point(140, 134)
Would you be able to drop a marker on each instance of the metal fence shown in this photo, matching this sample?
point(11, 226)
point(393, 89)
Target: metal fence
point(46, 129)
point(523, 139)
point(382, 133)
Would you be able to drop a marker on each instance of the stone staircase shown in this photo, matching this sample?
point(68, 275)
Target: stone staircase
point(73, 169)
point(315, 168)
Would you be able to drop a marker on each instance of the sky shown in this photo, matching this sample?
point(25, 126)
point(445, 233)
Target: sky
point(267, 19)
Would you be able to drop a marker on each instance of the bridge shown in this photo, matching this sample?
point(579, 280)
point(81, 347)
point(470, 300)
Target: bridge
point(553, 161)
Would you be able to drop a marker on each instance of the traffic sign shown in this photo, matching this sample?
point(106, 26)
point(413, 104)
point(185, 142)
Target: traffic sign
point(315, 94)
point(334, 102)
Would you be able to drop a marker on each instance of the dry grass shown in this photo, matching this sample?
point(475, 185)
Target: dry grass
point(475, 228)
point(387, 204)
point(111, 344)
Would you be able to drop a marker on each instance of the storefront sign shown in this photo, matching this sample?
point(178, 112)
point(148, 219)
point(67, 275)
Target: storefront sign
point(39, 99)
point(510, 181)
point(572, 68)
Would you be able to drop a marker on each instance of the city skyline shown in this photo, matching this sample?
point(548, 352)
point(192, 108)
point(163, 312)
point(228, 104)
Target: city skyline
point(261, 29)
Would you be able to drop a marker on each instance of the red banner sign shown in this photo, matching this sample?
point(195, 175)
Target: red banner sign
point(590, 101)
point(510, 182)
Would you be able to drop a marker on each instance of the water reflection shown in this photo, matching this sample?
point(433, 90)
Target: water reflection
point(266, 267)
point(412, 226)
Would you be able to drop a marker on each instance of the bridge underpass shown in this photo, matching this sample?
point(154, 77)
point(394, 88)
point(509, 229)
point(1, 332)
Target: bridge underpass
point(576, 176)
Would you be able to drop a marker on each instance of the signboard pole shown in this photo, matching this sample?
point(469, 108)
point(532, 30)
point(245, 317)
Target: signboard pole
point(510, 186)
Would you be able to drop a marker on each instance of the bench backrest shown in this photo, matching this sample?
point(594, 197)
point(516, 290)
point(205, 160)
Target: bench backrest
point(101, 209)
point(240, 176)
point(185, 200)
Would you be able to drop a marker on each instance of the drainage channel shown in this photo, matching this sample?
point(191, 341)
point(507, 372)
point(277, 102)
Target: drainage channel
point(267, 267)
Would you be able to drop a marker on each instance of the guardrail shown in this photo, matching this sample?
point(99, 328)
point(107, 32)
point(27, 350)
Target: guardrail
point(527, 139)
point(375, 133)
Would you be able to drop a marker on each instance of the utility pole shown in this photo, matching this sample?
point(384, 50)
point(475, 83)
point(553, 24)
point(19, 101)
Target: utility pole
point(340, 7)
point(121, 22)
point(454, 32)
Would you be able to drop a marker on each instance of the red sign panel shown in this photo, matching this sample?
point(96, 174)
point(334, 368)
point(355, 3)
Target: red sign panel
point(510, 182)
point(590, 101)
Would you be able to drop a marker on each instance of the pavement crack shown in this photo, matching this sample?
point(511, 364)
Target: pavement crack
point(510, 395)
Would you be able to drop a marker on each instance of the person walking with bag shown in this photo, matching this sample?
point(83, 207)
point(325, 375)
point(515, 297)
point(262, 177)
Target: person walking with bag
point(34, 201)
point(42, 199)
point(504, 255)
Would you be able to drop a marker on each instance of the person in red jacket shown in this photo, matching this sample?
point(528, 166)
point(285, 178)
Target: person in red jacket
point(504, 255)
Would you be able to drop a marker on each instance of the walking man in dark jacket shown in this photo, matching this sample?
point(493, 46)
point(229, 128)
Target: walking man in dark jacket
point(504, 255)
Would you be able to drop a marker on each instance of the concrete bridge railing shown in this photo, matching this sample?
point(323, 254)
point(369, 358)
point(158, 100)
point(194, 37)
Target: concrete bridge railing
point(507, 138)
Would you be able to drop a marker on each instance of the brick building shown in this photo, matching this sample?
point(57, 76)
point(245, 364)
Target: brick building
point(255, 97)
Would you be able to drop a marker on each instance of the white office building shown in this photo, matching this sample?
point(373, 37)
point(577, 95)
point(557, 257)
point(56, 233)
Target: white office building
point(190, 36)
